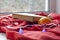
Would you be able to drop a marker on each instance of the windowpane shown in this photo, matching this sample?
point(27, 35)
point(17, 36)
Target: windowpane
point(22, 5)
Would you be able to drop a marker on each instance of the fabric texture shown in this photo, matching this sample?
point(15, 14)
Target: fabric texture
point(11, 27)
point(54, 15)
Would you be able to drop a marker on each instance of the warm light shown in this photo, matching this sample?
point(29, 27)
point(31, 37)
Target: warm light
point(44, 20)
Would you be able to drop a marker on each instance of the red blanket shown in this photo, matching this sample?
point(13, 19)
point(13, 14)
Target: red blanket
point(12, 26)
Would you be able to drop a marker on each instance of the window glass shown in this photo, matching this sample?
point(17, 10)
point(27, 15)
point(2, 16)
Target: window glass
point(23, 5)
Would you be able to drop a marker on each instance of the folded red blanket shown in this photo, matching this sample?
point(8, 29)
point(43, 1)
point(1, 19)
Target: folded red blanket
point(17, 29)
point(50, 34)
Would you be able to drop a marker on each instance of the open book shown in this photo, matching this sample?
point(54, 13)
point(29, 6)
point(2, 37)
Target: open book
point(27, 16)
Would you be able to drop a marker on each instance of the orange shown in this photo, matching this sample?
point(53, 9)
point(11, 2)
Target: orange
point(44, 20)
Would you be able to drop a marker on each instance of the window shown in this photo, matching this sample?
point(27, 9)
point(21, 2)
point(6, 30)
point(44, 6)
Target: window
point(23, 5)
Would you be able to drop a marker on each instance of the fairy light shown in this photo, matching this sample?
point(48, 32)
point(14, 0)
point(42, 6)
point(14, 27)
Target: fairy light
point(44, 30)
point(20, 30)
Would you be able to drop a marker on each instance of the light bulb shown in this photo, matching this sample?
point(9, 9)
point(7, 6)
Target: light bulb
point(21, 31)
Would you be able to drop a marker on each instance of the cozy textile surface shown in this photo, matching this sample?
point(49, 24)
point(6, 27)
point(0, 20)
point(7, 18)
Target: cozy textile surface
point(11, 27)
point(54, 15)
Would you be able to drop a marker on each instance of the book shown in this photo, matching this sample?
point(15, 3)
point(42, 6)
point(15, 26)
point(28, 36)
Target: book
point(27, 16)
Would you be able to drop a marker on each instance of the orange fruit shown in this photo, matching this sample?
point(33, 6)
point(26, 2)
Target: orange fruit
point(44, 20)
